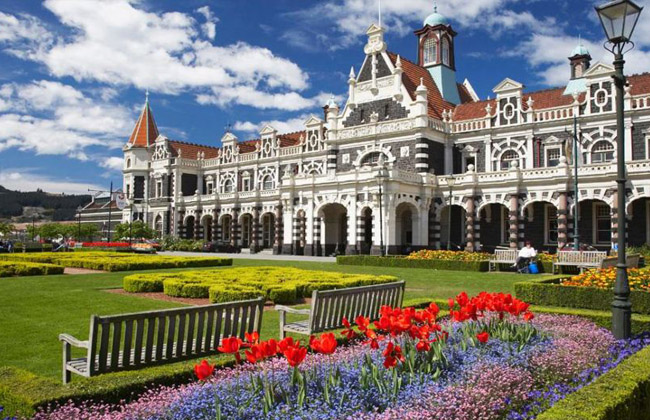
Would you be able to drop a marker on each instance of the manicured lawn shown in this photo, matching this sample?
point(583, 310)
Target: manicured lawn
point(35, 310)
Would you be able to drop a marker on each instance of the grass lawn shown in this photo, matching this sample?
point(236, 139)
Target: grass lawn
point(35, 310)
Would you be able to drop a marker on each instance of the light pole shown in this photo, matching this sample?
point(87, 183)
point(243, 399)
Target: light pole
point(451, 181)
point(130, 223)
point(382, 176)
point(619, 19)
point(576, 204)
point(79, 223)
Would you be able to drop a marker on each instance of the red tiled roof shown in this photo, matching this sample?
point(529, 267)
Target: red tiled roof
point(145, 132)
point(639, 83)
point(190, 150)
point(411, 78)
point(248, 146)
point(473, 110)
point(291, 139)
point(465, 96)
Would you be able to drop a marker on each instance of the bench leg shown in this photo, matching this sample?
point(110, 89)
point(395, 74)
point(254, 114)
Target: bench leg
point(66, 359)
point(282, 322)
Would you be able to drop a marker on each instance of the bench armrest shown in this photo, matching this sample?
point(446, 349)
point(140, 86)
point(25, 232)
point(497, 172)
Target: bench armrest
point(283, 308)
point(66, 338)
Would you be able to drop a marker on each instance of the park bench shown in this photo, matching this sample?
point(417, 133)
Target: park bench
point(632, 261)
point(503, 256)
point(132, 341)
point(580, 259)
point(328, 307)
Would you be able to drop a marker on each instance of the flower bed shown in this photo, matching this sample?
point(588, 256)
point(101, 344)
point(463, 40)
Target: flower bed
point(487, 363)
point(281, 285)
point(639, 279)
point(464, 256)
point(114, 261)
point(572, 293)
point(405, 262)
point(16, 268)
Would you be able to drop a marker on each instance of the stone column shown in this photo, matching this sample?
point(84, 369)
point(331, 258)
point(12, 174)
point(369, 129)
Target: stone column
point(198, 234)
point(216, 226)
point(316, 245)
point(361, 226)
point(469, 225)
point(434, 228)
point(514, 221)
point(351, 239)
point(279, 231)
point(562, 222)
point(234, 228)
point(255, 230)
point(181, 226)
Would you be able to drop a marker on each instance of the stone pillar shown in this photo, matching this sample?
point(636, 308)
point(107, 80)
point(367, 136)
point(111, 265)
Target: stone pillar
point(562, 222)
point(469, 225)
point(198, 228)
point(361, 227)
point(279, 231)
point(352, 243)
point(181, 226)
point(421, 156)
point(316, 245)
point(514, 221)
point(255, 231)
point(234, 228)
point(434, 228)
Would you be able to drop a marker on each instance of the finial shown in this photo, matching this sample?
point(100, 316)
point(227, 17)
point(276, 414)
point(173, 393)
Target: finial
point(352, 75)
point(435, 6)
point(399, 61)
point(228, 127)
point(421, 81)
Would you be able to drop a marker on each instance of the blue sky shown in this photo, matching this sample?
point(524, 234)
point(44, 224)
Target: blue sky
point(73, 72)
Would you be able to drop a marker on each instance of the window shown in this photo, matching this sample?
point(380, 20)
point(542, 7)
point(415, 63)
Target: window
point(553, 156)
point(159, 189)
point(430, 51)
point(602, 151)
point(128, 163)
point(603, 223)
point(128, 190)
point(445, 51)
point(507, 158)
point(509, 110)
point(471, 160)
point(159, 226)
point(386, 111)
point(227, 186)
point(601, 97)
point(578, 70)
point(246, 184)
point(362, 115)
point(209, 188)
point(267, 183)
point(551, 224)
point(371, 159)
point(647, 148)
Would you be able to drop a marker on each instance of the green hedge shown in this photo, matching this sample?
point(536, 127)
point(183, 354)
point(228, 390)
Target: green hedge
point(22, 392)
point(279, 284)
point(549, 293)
point(402, 262)
point(620, 394)
point(19, 268)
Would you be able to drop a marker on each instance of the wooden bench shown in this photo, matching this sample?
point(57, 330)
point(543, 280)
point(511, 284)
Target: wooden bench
point(158, 337)
point(328, 307)
point(580, 259)
point(503, 256)
point(632, 261)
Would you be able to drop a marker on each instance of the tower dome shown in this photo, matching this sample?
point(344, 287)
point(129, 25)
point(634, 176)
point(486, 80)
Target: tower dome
point(580, 50)
point(435, 18)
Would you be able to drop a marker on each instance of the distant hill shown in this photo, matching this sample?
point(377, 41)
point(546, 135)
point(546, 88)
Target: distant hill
point(23, 206)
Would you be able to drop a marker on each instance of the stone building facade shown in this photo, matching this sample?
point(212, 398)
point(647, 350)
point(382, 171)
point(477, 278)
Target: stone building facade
point(316, 192)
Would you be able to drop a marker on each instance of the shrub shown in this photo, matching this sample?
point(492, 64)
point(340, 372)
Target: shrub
point(115, 261)
point(402, 262)
point(550, 292)
point(279, 284)
point(15, 268)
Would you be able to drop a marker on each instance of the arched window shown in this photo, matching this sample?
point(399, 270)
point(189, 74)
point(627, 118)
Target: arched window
point(227, 186)
point(602, 151)
point(372, 159)
point(578, 70)
point(159, 226)
point(507, 158)
point(445, 51)
point(267, 183)
point(128, 163)
point(430, 53)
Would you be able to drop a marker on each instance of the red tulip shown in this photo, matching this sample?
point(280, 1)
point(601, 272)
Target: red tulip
point(362, 322)
point(483, 337)
point(451, 303)
point(253, 338)
point(392, 354)
point(348, 332)
point(295, 355)
point(269, 348)
point(204, 370)
point(528, 316)
point(423, 345)
point(230, 345)
point(326, 344)
point(287, 342)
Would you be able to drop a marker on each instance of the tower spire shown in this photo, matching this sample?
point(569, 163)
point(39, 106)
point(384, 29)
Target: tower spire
point(145, 131)
point(379, 7)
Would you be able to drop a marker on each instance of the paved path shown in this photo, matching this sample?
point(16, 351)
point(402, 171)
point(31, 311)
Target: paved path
point(245, 255)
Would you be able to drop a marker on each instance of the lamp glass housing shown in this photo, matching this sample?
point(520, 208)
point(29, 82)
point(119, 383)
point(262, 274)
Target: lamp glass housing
point(619, 18)
point(451, 181)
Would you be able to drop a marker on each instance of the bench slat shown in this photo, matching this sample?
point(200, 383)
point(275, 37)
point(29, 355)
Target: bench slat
point(115, 352)
point(139, 335)
point(160, 339)
point(200, 334)
point(151, 325)
point(103, 346)
point(171, 330)
point(191, 326)
point(217, 333)
point(128, 338)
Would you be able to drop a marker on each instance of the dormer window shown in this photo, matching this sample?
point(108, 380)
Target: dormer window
point(430, 51)
point(445, 51)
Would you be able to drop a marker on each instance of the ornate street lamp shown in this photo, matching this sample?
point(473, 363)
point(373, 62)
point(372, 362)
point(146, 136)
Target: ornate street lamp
point(451, 181)
point(382, 176)
point(619, 19)
point(79, 223)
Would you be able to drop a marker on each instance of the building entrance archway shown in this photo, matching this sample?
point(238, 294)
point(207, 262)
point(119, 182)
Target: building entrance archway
point(335, 228)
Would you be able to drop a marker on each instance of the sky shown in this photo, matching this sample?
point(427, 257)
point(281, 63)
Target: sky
point(73, 73)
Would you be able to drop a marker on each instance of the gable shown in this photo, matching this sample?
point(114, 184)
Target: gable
point(366, 71)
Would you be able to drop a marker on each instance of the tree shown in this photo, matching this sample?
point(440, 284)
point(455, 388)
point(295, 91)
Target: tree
point(82, 231)
point(140, 230)
point(6, 229)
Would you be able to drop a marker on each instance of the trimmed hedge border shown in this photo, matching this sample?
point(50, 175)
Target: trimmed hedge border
point(402, 262)
point(23, 392)
point(549, 293)
point(19, 268)
point(623, 393)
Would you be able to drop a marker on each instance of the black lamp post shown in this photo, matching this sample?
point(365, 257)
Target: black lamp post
point(619, 19)
point(381, 176)
point(79, 223)
point(451, 181)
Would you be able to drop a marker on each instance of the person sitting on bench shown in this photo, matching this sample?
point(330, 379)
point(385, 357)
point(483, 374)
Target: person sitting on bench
point(526, 255)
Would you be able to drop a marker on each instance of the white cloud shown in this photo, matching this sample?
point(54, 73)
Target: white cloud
point(282, 126)
point(112, 163)
point(23, 179)
point(114, 42)
point(52, 118)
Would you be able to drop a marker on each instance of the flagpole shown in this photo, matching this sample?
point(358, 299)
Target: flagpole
point(110, 206)
point(379, 5)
